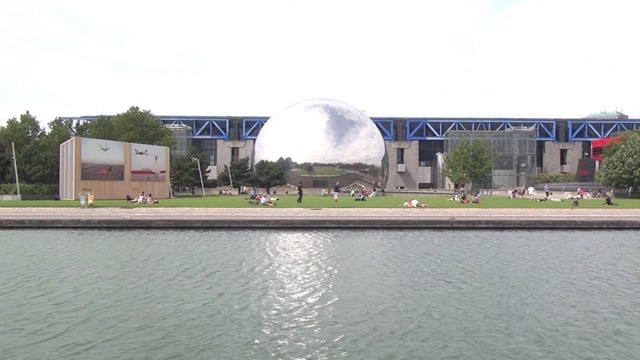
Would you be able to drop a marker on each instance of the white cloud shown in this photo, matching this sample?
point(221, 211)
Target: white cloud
point(543, 58)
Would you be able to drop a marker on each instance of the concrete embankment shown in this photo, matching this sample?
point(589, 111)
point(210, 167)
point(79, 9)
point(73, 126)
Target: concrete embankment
point(295, 218)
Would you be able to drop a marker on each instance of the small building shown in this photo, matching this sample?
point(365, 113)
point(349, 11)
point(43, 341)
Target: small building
point(112, 169)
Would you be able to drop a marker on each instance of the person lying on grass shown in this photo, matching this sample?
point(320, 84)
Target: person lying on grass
point(413, 203)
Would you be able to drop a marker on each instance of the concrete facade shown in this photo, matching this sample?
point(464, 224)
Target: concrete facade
point(405, 175)
point(408, 174)
point(225, 151)
point(552, 156)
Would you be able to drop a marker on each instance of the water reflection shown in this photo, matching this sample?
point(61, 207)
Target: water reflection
point(299, 281)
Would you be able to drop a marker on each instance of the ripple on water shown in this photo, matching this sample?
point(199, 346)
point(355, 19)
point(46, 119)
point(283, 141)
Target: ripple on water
point(319, 294)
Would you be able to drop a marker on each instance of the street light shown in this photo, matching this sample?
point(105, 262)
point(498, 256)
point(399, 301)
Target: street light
point(200, 172)
point(15, 167)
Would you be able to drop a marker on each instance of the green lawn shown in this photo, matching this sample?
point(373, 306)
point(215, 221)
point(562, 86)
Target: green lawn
point(322, 171)
point(289, 201)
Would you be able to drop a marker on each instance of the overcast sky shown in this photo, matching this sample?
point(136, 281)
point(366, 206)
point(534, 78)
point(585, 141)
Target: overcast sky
point(484, 58)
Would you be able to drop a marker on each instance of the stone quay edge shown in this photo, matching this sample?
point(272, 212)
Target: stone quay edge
point(324, 218)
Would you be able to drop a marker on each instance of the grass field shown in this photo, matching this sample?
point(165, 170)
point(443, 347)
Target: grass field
point(322, 171)
point(289, 201)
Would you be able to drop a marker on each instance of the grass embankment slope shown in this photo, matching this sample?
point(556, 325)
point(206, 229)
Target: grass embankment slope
point(289, 201)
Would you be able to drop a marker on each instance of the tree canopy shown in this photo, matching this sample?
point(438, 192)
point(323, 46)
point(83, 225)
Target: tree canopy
point(26, 135)
point(470, 161)
point(621, 165)
point(37, 151)
point(268, 173)
point(237, 173)
point(263, 174)
point(21, 132)
point(184, 171)
point(134, 126)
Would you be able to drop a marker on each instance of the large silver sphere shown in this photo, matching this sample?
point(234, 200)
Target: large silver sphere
point(322, 134)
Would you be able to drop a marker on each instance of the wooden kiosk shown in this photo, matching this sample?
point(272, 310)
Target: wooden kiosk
point(109, 169)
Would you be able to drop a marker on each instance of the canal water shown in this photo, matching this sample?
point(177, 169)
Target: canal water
point(319, 294)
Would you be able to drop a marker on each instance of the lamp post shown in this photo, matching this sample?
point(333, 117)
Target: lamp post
point(15, 167)
point(200, 172)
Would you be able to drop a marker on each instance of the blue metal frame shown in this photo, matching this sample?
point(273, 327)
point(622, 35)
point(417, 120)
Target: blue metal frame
point(207, 127)
point(587, 130)
point(251, 127)
point(386, 127)
point(437, 128)
point(202, 127)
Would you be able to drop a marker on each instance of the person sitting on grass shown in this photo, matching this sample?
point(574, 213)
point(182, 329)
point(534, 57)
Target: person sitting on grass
point(265, 200)
point(608, 201)
point(140, 199)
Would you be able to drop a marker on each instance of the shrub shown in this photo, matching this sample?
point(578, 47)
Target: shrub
point(555, 178)
point(29, 189)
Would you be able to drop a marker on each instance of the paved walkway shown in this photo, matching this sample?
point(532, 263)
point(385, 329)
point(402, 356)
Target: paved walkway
point(243, 218)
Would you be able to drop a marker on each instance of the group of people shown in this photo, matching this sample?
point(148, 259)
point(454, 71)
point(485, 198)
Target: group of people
point(142, 198)
point(266, 200)
point(522, 192)
point(336, 192)
point(463, 198)
point(262, 199)
point(580, 194)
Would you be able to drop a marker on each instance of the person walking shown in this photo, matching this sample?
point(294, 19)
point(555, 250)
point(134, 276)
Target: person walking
point(299, 193)
point(336, 191)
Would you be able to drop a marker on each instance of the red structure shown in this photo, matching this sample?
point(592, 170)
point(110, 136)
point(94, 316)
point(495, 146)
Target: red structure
point(598, 146)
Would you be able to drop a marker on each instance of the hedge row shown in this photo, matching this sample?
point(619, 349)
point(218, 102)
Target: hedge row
point(29, 189)
point(555, 178)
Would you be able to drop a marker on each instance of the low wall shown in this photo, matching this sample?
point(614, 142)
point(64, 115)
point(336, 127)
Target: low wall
point(10, 197)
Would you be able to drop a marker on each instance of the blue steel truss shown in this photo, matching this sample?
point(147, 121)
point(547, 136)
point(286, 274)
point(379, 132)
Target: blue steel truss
point(587, 130)
point(202, 127)
point(251, 126)
point(386, 127)
point(217, 127)
point(437, 128)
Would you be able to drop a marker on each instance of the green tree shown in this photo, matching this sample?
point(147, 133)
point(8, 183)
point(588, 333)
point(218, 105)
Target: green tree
point(104, 128)
point(40, 162)
point(44, 155)
point(184, 172)
point(37, 151)
point(268, 173)
point(40, 165)
point(241, 174)
point(21, 132)
point(135, 126)
point(65, 129)
point(6, 164)
point(286, 164)
point(470, 161)
point(621, 165)
point(456, 163)
point(25, 135)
